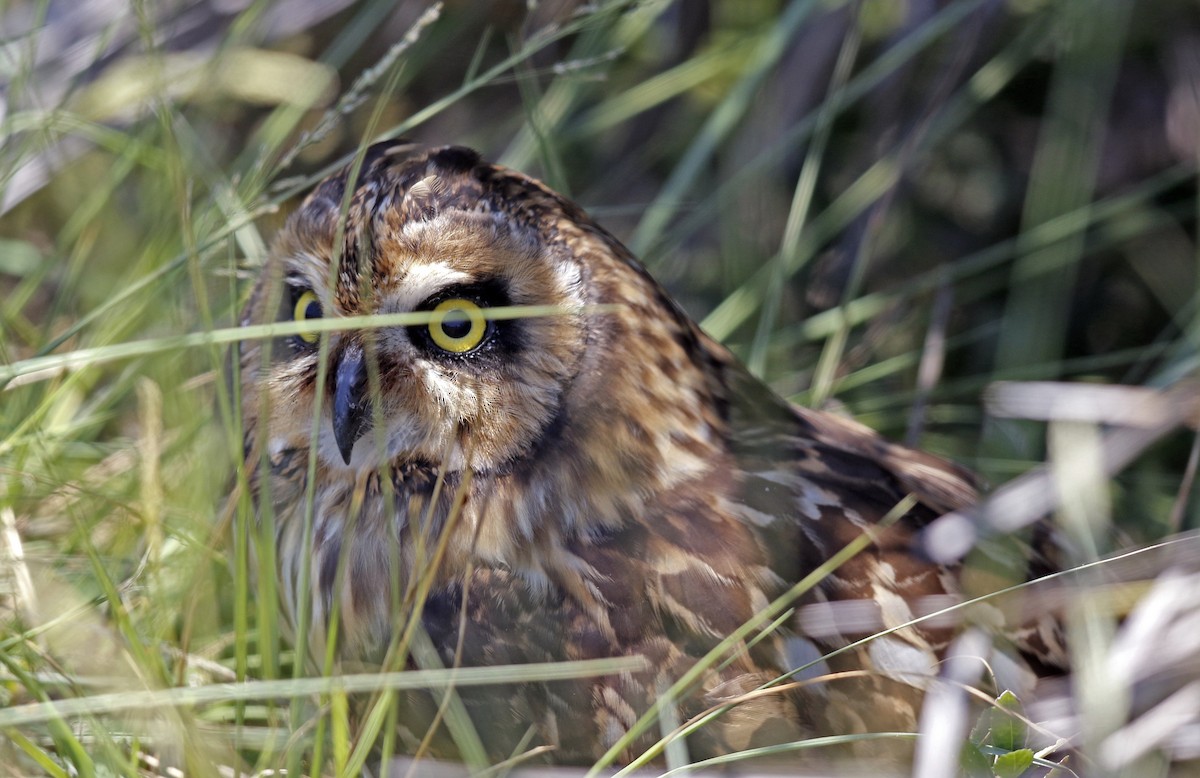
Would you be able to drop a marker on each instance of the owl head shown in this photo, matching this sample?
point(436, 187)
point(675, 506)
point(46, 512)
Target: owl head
point(445, 233)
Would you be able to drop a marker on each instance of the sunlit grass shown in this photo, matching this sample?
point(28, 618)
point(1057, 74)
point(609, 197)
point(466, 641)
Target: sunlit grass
point(134, 639)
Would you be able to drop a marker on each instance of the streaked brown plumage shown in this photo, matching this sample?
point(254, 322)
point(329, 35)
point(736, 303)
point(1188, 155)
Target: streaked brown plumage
point(607, 481)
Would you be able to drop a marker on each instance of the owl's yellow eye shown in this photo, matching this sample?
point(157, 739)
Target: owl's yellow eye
point(458, 325)
point(307, 307)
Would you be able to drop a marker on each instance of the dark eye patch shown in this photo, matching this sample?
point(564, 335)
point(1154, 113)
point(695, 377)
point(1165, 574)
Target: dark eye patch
point(503, 337)
point(487, 294)
point(298, 303)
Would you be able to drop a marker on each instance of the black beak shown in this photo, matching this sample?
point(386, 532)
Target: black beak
point(351, 410)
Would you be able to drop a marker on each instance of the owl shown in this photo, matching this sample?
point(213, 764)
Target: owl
point(555, 463)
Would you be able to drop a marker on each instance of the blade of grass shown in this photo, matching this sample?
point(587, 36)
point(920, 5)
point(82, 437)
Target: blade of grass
point(802, 196)
point(719, 124)
point(1034, 325)
point(350, 683)
point(739, 305)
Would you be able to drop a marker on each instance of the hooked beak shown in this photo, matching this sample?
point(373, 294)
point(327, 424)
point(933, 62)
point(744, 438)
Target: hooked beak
point(351, 409)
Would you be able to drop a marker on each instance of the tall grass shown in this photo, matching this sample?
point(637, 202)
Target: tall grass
point(883, 207)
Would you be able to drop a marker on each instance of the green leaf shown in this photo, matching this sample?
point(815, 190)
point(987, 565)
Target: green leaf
point(1007, 730)
point(974, 763)
point(1013, 763)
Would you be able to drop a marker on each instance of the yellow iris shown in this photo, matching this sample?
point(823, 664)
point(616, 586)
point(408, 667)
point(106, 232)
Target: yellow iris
point(307, 307)
point(458, 325)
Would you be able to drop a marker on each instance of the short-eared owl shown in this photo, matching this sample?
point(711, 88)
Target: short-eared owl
point(598, 480)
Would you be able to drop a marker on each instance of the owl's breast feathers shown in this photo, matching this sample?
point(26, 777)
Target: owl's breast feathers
point(780, 490)
point(663, 498)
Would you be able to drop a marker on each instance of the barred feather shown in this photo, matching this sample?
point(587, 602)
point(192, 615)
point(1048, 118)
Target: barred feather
point(604, 482)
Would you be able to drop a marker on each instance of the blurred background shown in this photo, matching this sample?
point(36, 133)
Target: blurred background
point(883, 206)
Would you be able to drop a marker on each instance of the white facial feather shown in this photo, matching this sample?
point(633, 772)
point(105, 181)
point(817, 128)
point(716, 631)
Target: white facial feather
point(420, 282)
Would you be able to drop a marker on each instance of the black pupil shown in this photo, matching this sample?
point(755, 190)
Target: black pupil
point(456, 324)
point(312, 310)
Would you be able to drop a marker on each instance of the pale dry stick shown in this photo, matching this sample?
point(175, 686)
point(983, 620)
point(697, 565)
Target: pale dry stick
point(26, 595)
point(944, 721)
point(1150, 414)
point(1164, 693)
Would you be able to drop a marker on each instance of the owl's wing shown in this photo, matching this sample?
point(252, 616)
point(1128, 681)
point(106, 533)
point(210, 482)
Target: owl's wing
point(827, 480)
